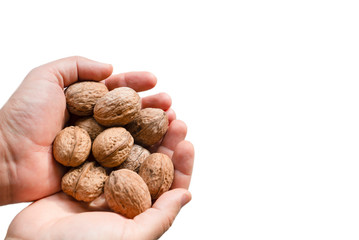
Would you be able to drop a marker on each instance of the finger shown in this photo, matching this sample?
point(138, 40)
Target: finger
point(69, 70)
point(183, 159)
point(158, 219)
point(160, 100)
point(176, 133)
point(171, 115)
point(99, 204)
point(139, 81)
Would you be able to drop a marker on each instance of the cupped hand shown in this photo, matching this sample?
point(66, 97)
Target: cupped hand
point(61, 217)
point(36, 112)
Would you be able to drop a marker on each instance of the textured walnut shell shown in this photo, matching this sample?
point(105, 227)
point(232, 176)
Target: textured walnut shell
point(82, 96)
point(71, 146)
point(112, 146)
point(149, 126)
point(89, 124)
point(158, 172)
point(126, 193)
point(118, 107)
point(137, 155)
point(84, 183)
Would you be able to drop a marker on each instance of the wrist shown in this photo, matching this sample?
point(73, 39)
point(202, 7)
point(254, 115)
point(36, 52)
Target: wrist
point(5, 189)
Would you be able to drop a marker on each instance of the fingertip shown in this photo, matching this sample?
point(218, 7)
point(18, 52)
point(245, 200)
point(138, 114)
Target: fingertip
point(186, 198)
point(173, 199)
point(185, 147)
point(185, 151)
point(71, 69)
point(99, 204)
point(138, 81)
point(152, 79)
point(179, 128)
point(171, 115)
point(88, 69)
point(159, 218)
point(166, 99)
point(176, 133)
point(183, 160)
point(91, 70)
point(160, 100)
point(109, 69)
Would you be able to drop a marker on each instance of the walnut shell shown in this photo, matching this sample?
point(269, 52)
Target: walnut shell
point(82, 96)
point(118, 107)
point(149, 126)
point(71, 146)
point(84, 183)
point(158, 172)
point(112, 146)
point(126, 193)
point(92, 127)
point(137, 155)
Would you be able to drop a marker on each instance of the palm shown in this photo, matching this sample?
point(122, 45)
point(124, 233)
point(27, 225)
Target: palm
point(34, 115)
point(60, 217)
point(55, 213)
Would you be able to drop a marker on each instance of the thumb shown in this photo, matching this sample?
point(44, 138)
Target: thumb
point(71, 69)
point(158, 219)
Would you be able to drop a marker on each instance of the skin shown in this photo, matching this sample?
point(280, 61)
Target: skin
point(30, 120)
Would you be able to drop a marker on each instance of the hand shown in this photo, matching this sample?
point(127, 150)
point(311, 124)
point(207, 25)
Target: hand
point(30, 121)
point(61, 217)
point(36, 112)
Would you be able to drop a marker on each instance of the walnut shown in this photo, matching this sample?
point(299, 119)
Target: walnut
point(82, 96)
point(158, 172)
point(136, 177)
point(126, 193)
point(72, 146)
point(149, 126)
point(118, 107)
point(92, 127)
point(112, 146)
point(137, 155)
point(84, 183)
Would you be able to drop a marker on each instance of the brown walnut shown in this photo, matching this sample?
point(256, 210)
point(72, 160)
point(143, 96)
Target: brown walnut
point(112, 146)
point(72, 146)
point(149, 126)
point(126, 193)
point(92, 127)
point(158, 172)
point(82, 96)
point(84, 183)
point(118, 107)
point(137, 155)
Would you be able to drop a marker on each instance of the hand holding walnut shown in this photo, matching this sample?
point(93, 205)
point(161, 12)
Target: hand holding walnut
point(36, 112)
point(30, 121)
point(127, 191)
point(71, 215)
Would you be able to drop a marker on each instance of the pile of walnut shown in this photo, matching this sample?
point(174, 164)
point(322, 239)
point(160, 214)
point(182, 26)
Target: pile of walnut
point(101, 151)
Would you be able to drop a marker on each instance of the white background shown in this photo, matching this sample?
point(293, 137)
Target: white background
point(269, 91)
